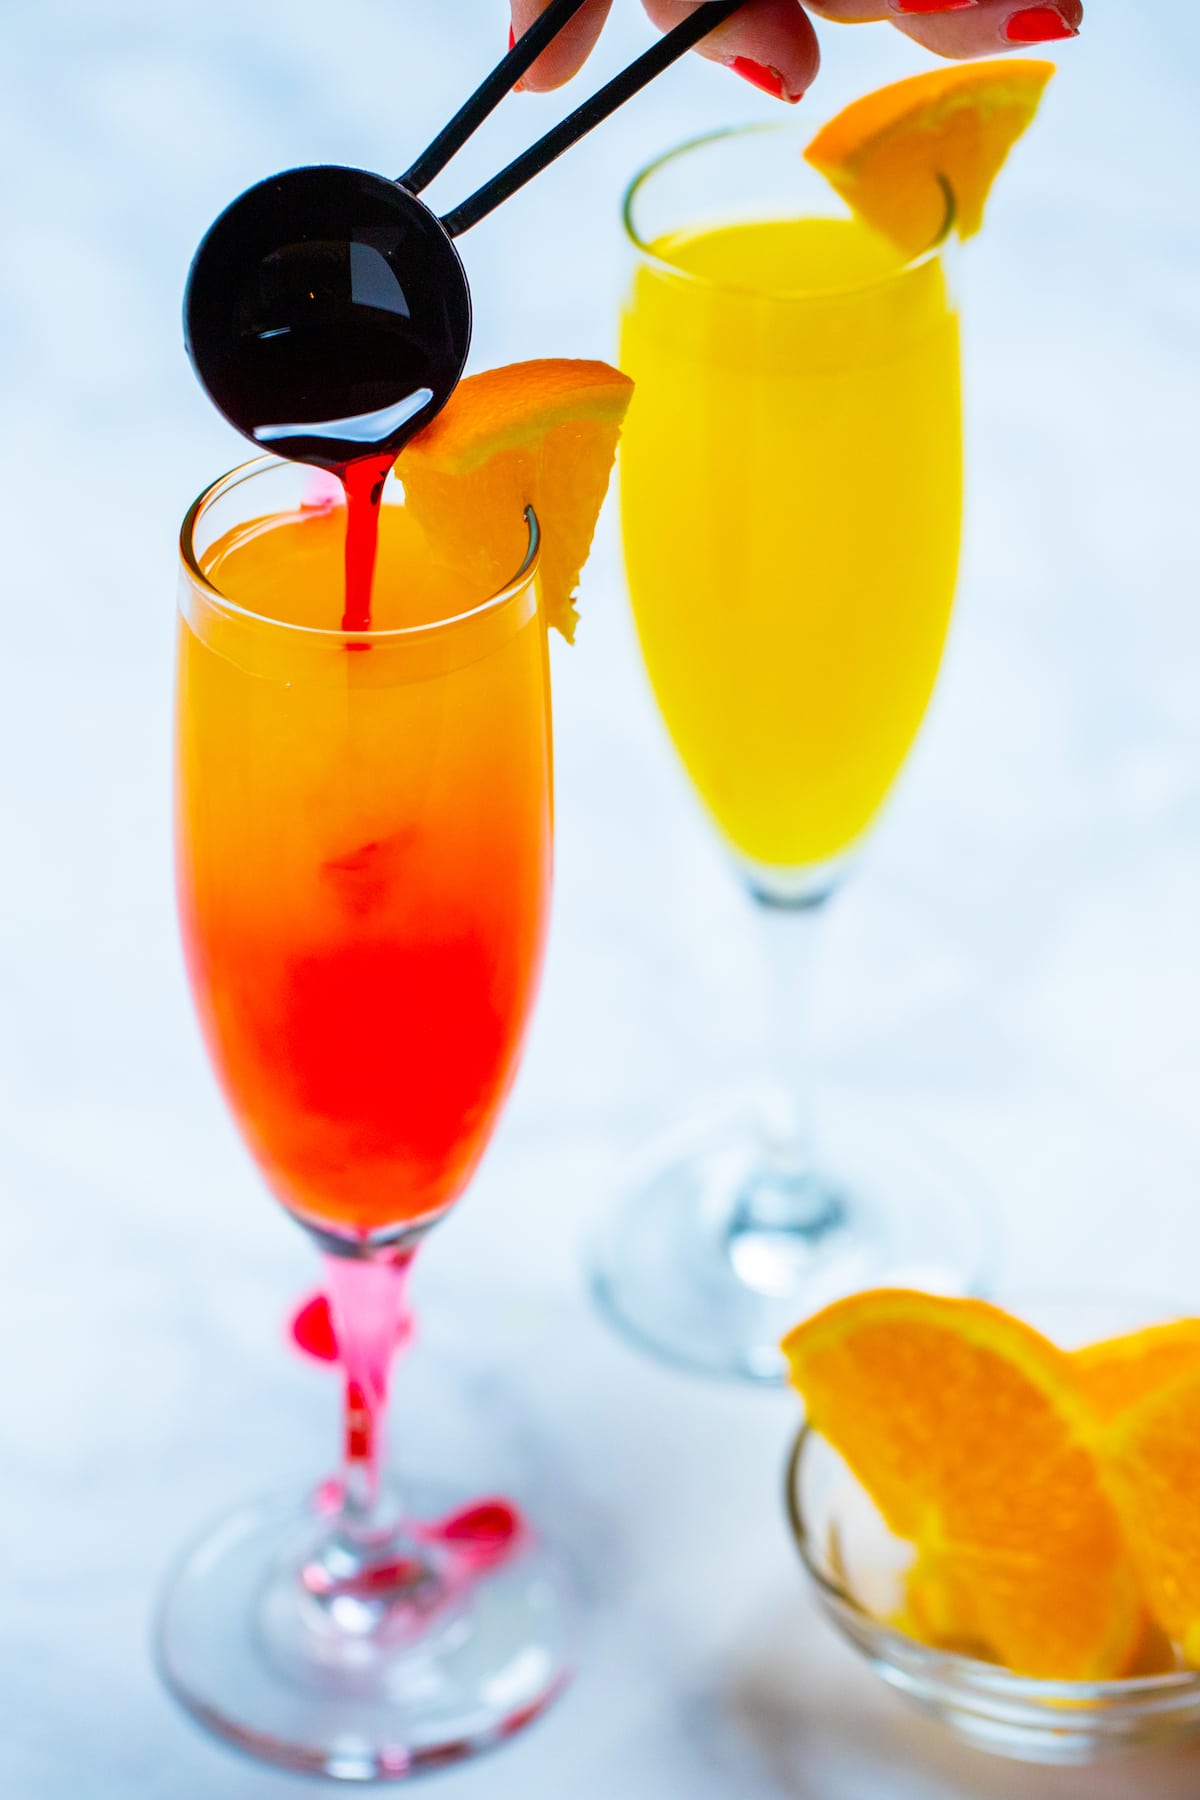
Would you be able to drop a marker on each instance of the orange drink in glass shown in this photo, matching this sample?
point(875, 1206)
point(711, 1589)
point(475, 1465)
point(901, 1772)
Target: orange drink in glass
point(364, 861)
point(364, 857)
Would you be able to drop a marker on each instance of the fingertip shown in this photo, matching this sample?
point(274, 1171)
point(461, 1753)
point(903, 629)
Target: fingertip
point(769, 43)
point(993, 25)
point(563, 59)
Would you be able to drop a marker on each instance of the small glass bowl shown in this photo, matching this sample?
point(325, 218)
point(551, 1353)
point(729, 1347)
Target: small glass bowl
point(846, 1550)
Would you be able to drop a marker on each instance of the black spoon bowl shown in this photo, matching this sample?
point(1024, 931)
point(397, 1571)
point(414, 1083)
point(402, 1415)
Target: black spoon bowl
point(328, 315)
point(327, 310)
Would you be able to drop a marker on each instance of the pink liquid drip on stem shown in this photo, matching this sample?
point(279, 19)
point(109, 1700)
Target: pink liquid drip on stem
point(470, 1542)
point(473, 1538)
point(369, 1307)
point(311, 1331)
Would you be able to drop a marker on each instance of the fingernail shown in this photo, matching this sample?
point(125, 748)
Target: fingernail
point(512, 38)
point(761, 75)
point(932, 6)
point(1038, 25)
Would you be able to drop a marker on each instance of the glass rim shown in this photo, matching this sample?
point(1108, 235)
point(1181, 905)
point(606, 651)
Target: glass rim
point(259, 465)
point(786, 129)
point(989, 1677)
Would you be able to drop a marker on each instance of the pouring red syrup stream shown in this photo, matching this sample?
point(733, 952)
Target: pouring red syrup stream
point(363, 482)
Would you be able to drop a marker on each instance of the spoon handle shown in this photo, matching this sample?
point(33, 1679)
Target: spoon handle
point(488, 95)
point(592, 113)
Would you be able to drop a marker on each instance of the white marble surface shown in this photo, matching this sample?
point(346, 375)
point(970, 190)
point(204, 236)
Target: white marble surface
point(1018, 964)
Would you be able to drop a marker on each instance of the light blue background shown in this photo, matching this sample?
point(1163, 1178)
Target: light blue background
point(1017, 965)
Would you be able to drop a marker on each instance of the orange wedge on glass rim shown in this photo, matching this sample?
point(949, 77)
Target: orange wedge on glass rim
point(908, 157)
point(540, 434)
point(969, 1431)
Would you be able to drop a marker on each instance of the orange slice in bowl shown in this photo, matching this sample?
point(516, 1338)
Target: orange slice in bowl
point(939, 1609)
point(1121, 1372)
point(540, 434)
point(1112, 1376)
point(902, 156)
point(967, 1429)
point(1151, 1460)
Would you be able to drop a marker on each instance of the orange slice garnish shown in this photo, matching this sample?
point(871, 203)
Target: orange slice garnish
point(909, 156)
point(540, 434)
point(969, 1432)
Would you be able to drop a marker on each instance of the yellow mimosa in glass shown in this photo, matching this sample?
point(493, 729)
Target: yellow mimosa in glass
point(791, 492)
point(792, 495)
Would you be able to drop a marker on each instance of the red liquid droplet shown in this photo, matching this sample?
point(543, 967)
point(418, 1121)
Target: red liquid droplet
point(479, 1536)
point(312, 1330)
point(489, 1522)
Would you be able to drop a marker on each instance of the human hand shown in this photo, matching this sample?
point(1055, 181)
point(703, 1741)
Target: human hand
point(772, 44)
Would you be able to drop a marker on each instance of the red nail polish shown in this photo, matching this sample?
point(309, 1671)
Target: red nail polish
point(1038, 25)
point(761, 75)
point(916, 7)
point(512, 38)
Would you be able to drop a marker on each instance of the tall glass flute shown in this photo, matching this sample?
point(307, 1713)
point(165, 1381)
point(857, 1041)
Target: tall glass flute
point(791, 478)
point(364, 858)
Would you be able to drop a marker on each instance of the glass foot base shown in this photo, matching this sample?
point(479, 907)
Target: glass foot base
point(359, 1685)
point(705, 1261)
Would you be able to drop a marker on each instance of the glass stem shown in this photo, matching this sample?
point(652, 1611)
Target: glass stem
point(369, 1300)
point(786, 1209)
point(788, 938)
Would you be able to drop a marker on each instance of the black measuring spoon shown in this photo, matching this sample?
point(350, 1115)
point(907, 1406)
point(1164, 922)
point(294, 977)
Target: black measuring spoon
point(327, 310)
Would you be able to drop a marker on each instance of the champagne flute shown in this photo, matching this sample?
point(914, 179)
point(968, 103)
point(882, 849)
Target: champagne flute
point(364, 865)
point(791, 481)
